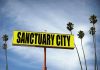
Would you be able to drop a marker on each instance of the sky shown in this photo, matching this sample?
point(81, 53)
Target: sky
point(50, 15)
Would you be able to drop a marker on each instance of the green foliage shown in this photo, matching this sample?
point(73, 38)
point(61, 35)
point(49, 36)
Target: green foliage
point(93, 19)
point(5, 37)
point(80, 34)
point(70, 26)
point(4, 46)
point(92, 31)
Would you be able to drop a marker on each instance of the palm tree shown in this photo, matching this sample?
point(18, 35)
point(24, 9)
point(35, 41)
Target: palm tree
point(92, 31)
point(70, 28)
point(5, 39)
point(93, 20)
point(81, 35)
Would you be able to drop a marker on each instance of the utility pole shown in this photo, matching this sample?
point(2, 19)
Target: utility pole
point(44, 65)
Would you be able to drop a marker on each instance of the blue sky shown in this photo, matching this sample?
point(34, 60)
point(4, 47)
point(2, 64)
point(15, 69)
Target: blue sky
point(50, 15)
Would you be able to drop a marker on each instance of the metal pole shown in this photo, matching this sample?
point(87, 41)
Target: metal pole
point(44, 65)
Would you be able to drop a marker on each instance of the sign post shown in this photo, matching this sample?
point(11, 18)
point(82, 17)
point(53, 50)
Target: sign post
point(44, 65)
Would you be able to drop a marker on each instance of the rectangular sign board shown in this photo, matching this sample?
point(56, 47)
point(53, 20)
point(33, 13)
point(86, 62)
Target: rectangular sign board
point(43, 39)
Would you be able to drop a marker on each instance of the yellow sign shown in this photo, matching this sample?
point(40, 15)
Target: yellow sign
point(43, 39)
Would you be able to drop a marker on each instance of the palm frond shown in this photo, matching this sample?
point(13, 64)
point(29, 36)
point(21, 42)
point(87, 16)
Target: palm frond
point(92, 30)
point(93, 19)
point(5, 37)
point(80, 34)
point(70, 26)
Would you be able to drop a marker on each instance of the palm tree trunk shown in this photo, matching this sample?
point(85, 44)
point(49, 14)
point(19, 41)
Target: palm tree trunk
point(84, 55)
point(95, 56)
point(78, 55)
point(6, 57)
point(71, 32)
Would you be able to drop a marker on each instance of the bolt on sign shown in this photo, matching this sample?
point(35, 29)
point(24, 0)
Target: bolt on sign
point(43, 39)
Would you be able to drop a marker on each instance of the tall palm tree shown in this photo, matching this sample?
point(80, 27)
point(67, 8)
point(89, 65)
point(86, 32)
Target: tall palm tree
point(81, 35)
point(5, 39)
point(70, 27)
point(93, 20)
